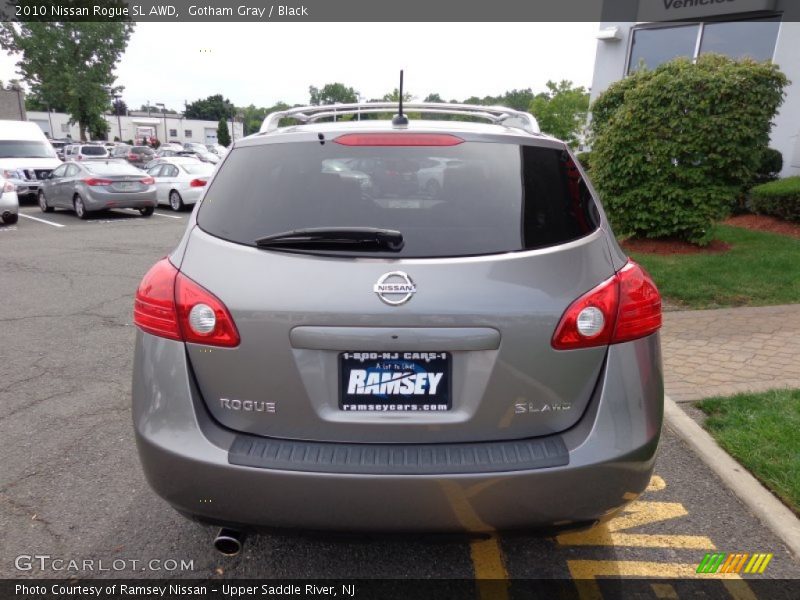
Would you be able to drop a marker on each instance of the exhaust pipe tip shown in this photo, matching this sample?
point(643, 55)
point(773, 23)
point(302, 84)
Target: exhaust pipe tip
point(229, 541)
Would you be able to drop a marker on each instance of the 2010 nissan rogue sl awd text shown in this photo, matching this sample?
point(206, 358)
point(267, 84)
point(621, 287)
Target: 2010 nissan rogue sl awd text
point(384, 325)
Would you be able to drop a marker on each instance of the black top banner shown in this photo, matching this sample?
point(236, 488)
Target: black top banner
point(391, 11)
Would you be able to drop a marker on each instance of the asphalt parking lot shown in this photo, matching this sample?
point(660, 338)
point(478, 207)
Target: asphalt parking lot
point(71, 486)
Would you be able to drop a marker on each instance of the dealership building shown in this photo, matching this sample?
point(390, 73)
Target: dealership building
point(167, 126)
point(650, 32)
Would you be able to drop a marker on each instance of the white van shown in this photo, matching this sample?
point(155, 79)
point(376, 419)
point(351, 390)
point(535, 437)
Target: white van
point(26, 156)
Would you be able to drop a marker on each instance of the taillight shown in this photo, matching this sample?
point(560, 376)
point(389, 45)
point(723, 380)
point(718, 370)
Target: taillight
point(169, 304)
point(639, 304)
point(625, 307)
point(94, 181)
point(9, 187)
point(147, 181)
point(398, 139)
point(154, 308)
point(197, 183)
point(132, 156)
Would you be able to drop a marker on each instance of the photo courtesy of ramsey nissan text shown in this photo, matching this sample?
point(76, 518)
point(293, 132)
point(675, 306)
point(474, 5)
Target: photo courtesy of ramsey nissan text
point(369, 300)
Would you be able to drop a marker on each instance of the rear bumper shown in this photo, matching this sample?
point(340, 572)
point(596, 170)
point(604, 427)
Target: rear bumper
point(103, 200)
point(611, 452)
point(9, 202)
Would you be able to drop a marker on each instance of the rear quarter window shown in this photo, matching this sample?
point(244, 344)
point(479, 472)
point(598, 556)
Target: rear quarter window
point(471, 199)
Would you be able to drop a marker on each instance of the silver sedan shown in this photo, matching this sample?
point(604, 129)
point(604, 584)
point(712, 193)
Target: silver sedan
point(92, 186)
point(180, 180)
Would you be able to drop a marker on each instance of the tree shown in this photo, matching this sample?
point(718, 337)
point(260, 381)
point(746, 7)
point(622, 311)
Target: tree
point(118, 107)
point(332, 93)
point(152, 108)
point(673, 148)
point(223, 137)
point(394, 96)
point(212, 108)
point(562, 110)
point(517, 99)
point(69, 65)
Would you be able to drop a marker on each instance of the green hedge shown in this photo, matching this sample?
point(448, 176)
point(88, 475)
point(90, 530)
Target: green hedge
point(779, 198)
point(674, 147)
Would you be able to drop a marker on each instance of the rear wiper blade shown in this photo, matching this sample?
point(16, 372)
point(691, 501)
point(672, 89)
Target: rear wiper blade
point(357, 238)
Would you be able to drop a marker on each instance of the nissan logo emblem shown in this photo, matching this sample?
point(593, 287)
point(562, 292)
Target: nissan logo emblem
point(395, 288)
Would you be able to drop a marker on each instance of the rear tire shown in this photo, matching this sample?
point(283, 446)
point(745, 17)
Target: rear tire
point(43, 203)
point(175, 201)
point(80, 207)
point(11, 219)
point(147, 211)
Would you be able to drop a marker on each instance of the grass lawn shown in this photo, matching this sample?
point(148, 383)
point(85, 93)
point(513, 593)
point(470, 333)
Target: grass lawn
point(759, 269)
point(761, 432)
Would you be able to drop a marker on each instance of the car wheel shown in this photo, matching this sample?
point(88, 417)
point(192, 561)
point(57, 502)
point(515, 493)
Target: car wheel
point(80, 208)
point(43, 203)
point(10, 219)
point(175, 201)
point(147, 211)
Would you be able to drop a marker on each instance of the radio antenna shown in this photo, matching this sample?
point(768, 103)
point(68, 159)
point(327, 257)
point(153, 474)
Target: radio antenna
point(400, 119)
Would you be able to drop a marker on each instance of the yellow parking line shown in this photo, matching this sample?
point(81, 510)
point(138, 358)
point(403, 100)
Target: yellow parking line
point(637, 514)
point(487, 556)
point(487, 559)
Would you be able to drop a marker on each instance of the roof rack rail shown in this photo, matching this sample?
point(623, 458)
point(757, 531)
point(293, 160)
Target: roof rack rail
point(499, 115)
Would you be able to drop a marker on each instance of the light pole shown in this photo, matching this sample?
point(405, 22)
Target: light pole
point(164, 112)
point(116, 110)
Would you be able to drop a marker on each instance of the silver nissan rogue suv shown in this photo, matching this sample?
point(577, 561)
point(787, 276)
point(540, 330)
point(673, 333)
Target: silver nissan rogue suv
point(419, 324)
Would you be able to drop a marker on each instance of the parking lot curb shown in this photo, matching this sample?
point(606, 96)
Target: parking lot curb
point(766, 507)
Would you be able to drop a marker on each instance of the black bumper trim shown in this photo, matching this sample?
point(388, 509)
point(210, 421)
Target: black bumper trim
point(398, 459)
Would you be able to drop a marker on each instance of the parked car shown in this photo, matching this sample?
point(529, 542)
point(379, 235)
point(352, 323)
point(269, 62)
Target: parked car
point(91, 186)
point(9, 203)
point(195, 147)
point(208, 157)
point(180, 181)
point(217, 149)
point(313, 357)
point(121, 151)
point(170, 146)
point(140, 155)
point(58, 146)
point(26, 156)
point(84, 151)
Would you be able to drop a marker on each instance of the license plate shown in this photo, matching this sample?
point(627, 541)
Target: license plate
point(394, 381)
point(127, 186)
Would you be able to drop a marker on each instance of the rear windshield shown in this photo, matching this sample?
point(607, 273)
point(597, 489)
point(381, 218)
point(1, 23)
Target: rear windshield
point(26, 149)
point(93, 151)
point(111, 168)
point(197, 168)
point(471, 199)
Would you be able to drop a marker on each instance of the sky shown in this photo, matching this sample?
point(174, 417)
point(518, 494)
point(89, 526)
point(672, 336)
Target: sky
point(263, 63)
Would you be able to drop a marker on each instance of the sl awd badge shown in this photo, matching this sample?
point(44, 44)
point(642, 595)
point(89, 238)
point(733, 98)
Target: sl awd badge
point(395, 288)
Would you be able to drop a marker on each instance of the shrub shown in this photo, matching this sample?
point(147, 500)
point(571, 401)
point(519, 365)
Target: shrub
point(673, 147)
point(585, 158)
point(223, 137)
point(779, 198)
point(770, 166)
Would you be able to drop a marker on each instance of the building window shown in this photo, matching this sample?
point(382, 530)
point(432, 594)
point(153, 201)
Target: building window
point(740, 39)
point(187, 133)
point(65, 128)
point(173, 133)
point(653, 46)
point(754, 38)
